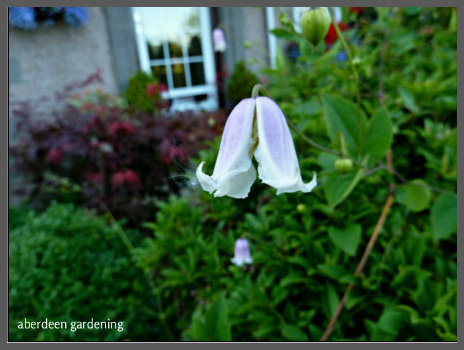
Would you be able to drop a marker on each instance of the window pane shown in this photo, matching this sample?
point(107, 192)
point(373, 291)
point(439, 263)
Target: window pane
point(155, 51)
point(178, 74)
point(174, 25)
point(197, 73)
point(194, 48)
point(160, 73)
point(175, 49)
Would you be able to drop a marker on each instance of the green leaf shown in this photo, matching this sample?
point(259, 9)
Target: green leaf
point(279, 59)
point(379, 135)
point(214, 325)
point(408, 99)
point(293, 279)
point(416, 195)
point(347, 239)
point(283, 33)
point(341, 115)
point(327, 160)
point(335, 272)
point(293, 333)
point(338, 186)
point(332, 299)
point(444, 215)
point(391, 320)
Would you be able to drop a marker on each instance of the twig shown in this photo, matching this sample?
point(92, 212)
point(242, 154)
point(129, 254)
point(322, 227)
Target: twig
point(367, 251)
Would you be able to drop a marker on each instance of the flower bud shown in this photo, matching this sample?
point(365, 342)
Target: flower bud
point(343, 165)
point(315, 25)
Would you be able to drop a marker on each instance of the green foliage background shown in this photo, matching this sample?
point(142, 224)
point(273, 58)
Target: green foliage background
point(305, 247)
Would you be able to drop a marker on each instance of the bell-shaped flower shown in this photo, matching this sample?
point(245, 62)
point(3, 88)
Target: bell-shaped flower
point(242, 252)
point(256, 126)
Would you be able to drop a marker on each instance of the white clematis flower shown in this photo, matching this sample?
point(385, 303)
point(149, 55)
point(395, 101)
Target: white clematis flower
point(256, 126)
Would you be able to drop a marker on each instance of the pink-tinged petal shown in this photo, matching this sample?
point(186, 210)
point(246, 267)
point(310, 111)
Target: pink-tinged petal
point(233, 172)
point(276, 155)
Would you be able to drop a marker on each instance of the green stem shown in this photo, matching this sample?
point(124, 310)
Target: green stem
point(353, 69)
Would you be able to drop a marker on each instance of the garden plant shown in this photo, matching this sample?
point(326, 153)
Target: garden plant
point(361, 246)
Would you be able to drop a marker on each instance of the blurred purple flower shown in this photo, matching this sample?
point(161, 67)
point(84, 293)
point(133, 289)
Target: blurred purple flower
point(242, 252)
point(75, 16)
point(219, 40)
point(22, 17)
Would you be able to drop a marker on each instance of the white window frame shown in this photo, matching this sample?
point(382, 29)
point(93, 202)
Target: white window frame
point(272, 40)
point(208, 88)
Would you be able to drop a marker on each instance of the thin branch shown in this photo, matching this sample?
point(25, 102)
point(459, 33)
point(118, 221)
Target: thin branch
point(367, 252)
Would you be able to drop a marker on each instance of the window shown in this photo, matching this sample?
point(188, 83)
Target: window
point(174, 44)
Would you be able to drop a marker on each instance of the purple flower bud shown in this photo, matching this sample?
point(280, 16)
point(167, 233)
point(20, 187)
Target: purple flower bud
point(242, 252)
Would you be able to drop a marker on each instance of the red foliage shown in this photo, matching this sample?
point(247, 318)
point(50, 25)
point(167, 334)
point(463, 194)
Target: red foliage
point(357, 10)
point(118, 156)
point(126, 177)
point(121, 128)
point(331, 36)
point(153, 89)
point(54, 156)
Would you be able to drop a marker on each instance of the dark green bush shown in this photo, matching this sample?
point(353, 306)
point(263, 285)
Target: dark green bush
point(240, 83)
point(68, 265)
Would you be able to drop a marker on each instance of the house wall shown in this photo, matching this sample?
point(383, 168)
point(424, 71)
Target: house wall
point(46, 61)
point(242, 24)
point(43, 62)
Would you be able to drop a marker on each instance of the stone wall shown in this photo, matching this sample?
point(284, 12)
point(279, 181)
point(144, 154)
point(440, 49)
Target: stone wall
point(47, 60)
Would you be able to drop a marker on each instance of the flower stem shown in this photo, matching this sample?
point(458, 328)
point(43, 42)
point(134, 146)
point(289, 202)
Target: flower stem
point(353, 69)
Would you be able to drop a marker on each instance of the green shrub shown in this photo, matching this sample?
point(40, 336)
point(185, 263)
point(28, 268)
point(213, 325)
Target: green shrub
point(136, 92)
point(240, 83)
point(68, 265)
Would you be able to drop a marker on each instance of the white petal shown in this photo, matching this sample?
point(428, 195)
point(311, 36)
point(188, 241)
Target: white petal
point(233, 172)
point(276, 156)
point(205, 181)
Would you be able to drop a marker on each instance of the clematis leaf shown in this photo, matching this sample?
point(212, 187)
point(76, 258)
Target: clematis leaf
point(415, 196)
point(339, 186)
point(214, 324)
point(444, 215)
point(379, 135)
point(347, 238)
point(341, 116)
